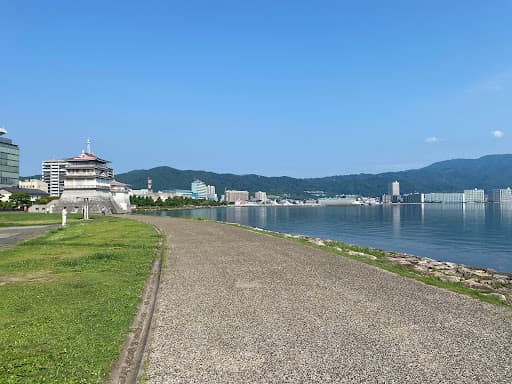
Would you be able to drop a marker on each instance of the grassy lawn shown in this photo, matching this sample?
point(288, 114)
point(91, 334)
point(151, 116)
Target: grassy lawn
point(13, 219)
point(68, 299)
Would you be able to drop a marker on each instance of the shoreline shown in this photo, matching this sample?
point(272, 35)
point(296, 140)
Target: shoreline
point(487, 284)
point(483, 283)
point(465, 239)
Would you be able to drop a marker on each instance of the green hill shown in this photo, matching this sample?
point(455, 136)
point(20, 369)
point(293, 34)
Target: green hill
point(488, 172)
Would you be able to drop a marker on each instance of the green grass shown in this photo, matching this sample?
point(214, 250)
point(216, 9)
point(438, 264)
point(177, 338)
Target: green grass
point(13, 219)
point(77, 289)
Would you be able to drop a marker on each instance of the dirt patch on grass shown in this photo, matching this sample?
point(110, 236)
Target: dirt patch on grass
point(33, 277)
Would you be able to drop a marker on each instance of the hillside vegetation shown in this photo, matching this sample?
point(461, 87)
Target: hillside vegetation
point(488, 172)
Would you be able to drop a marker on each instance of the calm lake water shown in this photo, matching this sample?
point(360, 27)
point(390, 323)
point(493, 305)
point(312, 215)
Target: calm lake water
point(471, 234)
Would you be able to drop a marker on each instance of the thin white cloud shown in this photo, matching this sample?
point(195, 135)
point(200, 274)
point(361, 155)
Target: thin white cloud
point(432, 140)
point(498, 134)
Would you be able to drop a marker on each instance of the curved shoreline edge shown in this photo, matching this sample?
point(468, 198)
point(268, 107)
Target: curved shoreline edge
point(483, 284)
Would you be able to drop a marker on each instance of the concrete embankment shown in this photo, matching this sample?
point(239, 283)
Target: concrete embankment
point(239, 306)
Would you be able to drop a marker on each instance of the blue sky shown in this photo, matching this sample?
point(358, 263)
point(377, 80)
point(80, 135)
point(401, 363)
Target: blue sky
point(298, 88)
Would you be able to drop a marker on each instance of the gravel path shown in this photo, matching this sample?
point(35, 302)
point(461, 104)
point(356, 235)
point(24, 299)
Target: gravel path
point(13, 235)
point(241, 307)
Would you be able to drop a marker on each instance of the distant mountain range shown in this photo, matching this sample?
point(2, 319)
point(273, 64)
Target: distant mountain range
point(487, 172)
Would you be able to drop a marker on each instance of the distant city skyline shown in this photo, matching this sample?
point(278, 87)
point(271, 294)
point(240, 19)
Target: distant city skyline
point(295, 88)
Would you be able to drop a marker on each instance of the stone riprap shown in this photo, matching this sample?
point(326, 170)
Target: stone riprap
point(236, 306)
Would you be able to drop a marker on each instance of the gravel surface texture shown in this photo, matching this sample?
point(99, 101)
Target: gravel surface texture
point(236, 306)
point(13, 235)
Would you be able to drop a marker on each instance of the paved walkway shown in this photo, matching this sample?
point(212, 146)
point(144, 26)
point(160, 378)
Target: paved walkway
point(12, 235)
point(241, 307)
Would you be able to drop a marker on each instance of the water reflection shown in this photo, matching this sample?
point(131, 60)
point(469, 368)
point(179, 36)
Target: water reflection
point(396, 221)
point(237, 215)
point(506, 213)
point(472, 234)
point(473, 212)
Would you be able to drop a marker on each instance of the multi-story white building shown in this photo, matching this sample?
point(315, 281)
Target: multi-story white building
point(394, 188)
point(474, 196)
point(212, 195)
point(54, 173)
point(261, 196)
point(34, 184)
point(199, 190)
point(444, 197)
point(394, 191)
point(501, 195)
point(233, 196)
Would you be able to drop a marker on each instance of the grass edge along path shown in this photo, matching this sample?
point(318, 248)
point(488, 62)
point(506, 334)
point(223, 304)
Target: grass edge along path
point(69, 298)
point(129, 368)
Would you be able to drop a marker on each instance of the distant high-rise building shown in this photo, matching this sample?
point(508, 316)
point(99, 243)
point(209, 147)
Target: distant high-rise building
point(233, 196)
point(199, 189)
point(261, 196)
point(474, 196)
point(394, 188)
point(54, 172)
point(9, 161)
point(444, 197)
point(394, 191)
point(212, 195)
point(501, 195)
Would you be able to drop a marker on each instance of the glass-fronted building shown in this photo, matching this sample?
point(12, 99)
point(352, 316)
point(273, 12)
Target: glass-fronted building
point(9, 161)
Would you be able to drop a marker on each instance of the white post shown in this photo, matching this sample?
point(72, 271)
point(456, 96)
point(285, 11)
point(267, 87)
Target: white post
point(86, 208)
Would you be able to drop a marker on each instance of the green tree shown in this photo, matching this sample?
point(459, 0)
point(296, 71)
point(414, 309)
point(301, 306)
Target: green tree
point(20, 199)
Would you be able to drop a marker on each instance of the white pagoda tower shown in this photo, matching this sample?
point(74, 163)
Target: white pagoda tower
point(87, 175)
point(88, 182)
